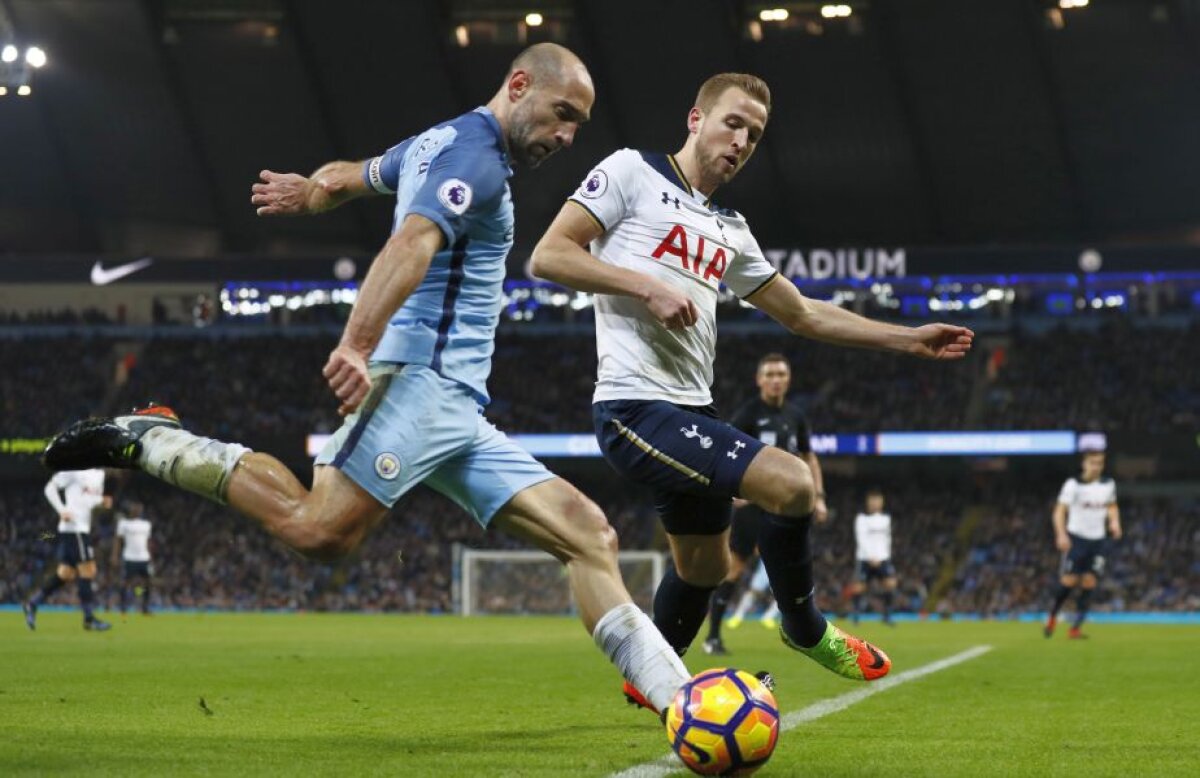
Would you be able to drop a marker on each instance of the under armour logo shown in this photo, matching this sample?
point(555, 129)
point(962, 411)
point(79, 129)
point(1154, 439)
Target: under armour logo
point(667, 200)
point(705, 441)
point(737, 446)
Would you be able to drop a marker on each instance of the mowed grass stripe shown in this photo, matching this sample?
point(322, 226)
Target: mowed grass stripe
point(670, 764)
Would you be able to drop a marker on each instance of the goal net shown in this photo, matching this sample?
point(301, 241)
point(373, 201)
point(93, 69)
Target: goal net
point(520, 582)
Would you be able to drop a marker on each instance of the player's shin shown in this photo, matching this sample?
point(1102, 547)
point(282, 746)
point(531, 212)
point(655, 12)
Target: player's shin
point(1083, 603)
point(87, 598)
point(679, 609)
point(49, 588)
point(716, 611)
point(199, 465)
point(783, 545)
point(1060, 597)
point(631, 642)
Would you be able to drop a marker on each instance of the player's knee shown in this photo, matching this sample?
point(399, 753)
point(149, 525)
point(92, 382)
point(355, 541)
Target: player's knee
point(793, 492)
point(594, 535)
point(66, 573)
point(799, 492)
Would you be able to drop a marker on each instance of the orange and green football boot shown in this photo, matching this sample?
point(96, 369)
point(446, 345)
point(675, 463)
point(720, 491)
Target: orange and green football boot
point(844, 654)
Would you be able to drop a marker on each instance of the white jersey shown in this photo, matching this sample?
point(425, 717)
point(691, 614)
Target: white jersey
point(78, 493)
point(1087, 506)
point(873, 533)
point(136, 534)
point(655, 223)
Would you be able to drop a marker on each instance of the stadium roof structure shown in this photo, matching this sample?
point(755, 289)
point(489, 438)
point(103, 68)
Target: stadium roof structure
point(919, 123)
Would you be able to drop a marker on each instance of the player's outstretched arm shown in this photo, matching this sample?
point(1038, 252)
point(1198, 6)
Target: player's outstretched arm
point(1114, 521)
point(291, 194)
point(562, 256)
point(823, 321)
point(397, 270)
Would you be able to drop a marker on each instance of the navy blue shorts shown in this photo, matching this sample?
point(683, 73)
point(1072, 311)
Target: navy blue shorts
point(1085, 556)
point(692, 460)
point(75, 548)
point(885, 570)
point(136, 570)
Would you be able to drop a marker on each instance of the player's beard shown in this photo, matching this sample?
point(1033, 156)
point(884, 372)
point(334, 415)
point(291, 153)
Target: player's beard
point(715, 165)
point(520, 140)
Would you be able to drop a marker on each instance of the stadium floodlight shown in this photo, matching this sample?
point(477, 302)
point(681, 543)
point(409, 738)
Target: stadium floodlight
point(35, 57)
point(24, 90)
point(836, 11)
point(1064, 4)
point(9, 54)
point(773, 14)
point(3, 90)
point(534, 19)
point(462, 36)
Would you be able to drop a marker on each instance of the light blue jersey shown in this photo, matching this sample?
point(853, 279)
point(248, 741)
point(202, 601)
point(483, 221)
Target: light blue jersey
point(456, 175)
point(422, 421)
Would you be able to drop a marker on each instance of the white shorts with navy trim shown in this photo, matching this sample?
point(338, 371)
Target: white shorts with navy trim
point(417, 427)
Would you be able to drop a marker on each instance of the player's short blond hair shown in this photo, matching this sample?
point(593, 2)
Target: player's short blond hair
point(712, 89)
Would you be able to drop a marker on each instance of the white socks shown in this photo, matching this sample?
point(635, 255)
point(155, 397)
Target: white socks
point(200, 465)
point(631, 641)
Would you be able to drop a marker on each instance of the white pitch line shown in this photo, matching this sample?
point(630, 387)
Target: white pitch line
point(670, 764)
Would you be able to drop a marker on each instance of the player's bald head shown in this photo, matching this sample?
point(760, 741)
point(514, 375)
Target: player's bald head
point(546, 96)
point(550, 63)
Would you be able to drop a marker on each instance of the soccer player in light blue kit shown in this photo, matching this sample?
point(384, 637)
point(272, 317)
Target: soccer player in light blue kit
point(411, 368)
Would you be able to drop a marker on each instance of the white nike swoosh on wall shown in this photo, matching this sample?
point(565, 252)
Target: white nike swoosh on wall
point(101, 276)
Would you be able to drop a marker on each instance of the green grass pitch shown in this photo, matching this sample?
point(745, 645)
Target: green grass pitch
point(351, 695)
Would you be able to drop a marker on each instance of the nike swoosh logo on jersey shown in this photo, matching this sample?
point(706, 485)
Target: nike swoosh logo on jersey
point(102, 276)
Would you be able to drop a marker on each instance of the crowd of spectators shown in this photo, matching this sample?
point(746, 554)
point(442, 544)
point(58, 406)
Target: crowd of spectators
point(1001, 562)
point(1115, 378)
point(48, 383)
point(1153, 566)
point(266, 385)
point(60, 316)
point(206, 556)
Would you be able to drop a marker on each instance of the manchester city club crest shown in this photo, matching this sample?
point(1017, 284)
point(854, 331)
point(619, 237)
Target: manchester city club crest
point(387, 466)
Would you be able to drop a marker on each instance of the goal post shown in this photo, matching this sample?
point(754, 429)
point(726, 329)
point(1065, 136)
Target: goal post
point(520, 582)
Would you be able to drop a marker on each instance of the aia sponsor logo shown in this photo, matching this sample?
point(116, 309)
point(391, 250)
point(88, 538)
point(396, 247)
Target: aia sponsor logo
point(706, 259)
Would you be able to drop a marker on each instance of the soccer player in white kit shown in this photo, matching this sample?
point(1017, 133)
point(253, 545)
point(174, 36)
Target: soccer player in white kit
point(74, 494)
point(133, 544)
point(1085, 517)
point(642, 233)
point(873, 553)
